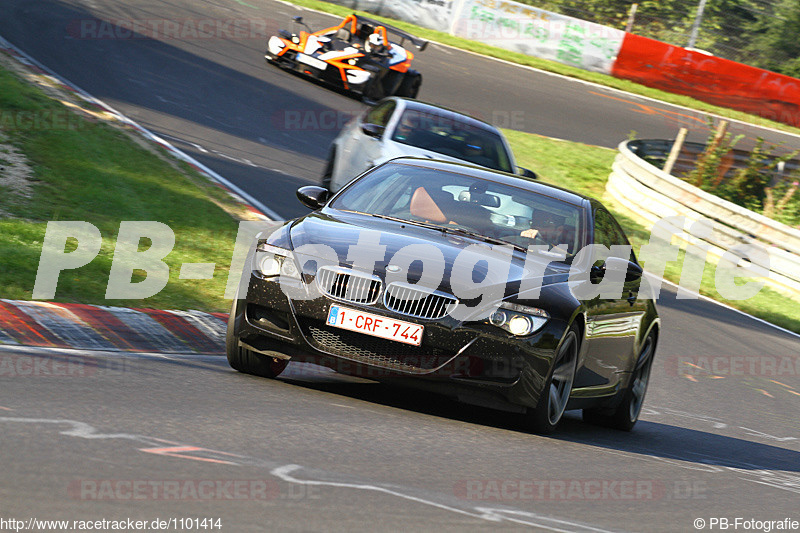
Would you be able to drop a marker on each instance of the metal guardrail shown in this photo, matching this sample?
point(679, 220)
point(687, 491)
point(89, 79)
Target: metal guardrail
point(656, 151)
point(650, 195)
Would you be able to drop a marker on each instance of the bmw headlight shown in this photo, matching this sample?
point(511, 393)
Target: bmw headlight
point(272, 261)
point(519, 320)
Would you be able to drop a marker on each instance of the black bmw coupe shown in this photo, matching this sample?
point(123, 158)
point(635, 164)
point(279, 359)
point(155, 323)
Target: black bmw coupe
point(489, 287)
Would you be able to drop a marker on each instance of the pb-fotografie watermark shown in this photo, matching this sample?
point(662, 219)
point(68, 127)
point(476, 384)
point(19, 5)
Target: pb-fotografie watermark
point(70, 245)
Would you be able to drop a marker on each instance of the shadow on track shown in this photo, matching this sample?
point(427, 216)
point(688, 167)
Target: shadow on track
point(687, 448)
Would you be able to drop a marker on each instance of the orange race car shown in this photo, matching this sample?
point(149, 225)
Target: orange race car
point(355, 55)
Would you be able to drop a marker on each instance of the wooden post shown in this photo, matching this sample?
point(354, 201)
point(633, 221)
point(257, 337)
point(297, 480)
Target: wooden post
point(722, 129)
point(719, 135)
point(631, 18)
point(676, 150)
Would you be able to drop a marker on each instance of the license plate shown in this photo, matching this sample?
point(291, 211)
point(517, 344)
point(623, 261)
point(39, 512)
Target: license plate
point(375, 325)
point(312, 61)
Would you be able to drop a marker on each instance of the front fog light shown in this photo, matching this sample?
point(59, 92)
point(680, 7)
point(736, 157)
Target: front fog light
point(520, 325)
point(519, 320)
point(498, 318)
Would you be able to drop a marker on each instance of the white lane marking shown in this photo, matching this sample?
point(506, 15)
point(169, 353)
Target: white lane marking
point(484, 513)
point(726, 306)
point(224, 155)
point(755, 433)
point(111, 354)
point(87, 431)
point(716, 423)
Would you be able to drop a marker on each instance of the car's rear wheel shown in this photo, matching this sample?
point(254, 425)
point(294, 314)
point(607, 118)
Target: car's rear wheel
point(244, 360)
point(327, 174)
point(555, 395)
point(410, 85)
point(625, 416)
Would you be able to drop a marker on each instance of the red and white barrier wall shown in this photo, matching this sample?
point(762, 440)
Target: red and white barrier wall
point(708, 78)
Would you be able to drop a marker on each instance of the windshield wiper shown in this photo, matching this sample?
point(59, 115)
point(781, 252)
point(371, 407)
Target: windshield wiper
point(404, 221)
point(482, 237)
point(446, 229)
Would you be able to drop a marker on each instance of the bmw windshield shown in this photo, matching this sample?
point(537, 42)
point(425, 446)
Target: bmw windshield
point(460, 202)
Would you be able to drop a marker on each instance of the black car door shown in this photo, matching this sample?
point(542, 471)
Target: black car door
point(611, 323)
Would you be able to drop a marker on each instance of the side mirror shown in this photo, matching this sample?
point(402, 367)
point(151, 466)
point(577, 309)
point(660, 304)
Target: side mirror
point(527, 173)
point(313, 196)
point(632, 270)
point(285, 34)
point(373, 130)
point(298, 19)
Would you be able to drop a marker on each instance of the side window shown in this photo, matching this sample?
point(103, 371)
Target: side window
point(380, 114)
point(607, 232)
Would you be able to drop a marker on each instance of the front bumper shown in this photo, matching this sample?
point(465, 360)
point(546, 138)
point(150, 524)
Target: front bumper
point(462, 359)
point(356, 80)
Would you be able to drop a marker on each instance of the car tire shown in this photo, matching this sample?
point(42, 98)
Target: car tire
point(327, 174)
point(409, 87)
point(625, 416)
point(555, 395)
point(244, 360)
point(374, 90)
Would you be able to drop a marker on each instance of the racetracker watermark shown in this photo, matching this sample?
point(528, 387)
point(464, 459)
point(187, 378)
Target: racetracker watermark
point(169, 29)
point(478, 275)
point(572, 490)
point(43, 120)
point(768, 366)
point(26, 366)
point(305, 119)
point(188, 490)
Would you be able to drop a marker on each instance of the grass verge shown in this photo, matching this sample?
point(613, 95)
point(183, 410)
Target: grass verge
point(88, 170)
point(585, 169)
point(551, 66)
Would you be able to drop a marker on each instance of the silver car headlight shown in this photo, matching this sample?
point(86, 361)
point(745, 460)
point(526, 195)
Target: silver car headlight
point(519, 320)
point(271, 261)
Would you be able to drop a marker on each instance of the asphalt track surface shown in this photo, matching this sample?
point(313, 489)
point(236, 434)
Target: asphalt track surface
point(321, 451)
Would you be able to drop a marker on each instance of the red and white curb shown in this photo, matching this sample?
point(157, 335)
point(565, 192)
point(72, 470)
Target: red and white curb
point(79, 326)
point(91, 327)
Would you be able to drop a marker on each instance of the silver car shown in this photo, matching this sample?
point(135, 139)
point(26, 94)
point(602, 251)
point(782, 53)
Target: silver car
point(397, 127)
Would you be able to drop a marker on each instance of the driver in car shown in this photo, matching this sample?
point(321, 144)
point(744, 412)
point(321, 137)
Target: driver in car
point(403, 129)
point(375, 45)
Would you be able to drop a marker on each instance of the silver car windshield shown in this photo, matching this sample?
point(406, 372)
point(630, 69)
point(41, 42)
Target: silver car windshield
point(454, 201)
point(449, 136)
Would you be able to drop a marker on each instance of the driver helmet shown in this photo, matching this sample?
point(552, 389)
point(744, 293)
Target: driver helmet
point(375, 42)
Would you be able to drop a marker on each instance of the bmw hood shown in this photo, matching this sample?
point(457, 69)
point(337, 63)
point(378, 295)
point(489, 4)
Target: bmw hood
point(437, 259)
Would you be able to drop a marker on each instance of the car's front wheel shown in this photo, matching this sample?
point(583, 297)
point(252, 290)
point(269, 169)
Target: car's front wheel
point(244, 360)
point(555, 395)
point(410, 85)
point(374, 89)
point(624, 417)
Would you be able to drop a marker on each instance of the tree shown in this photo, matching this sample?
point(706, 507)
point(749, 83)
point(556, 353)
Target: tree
point(774, 42)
